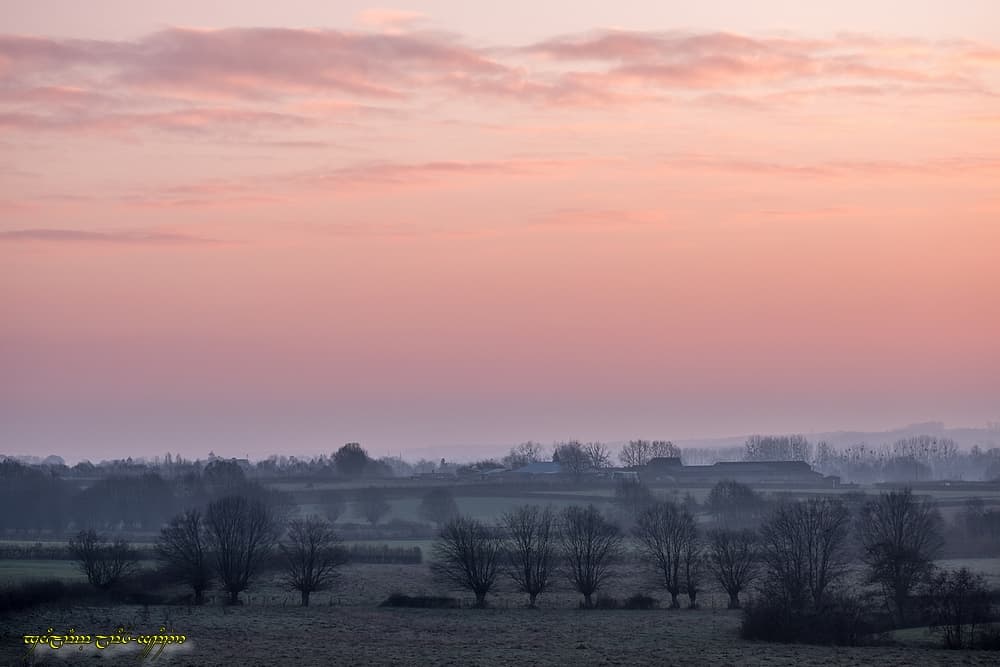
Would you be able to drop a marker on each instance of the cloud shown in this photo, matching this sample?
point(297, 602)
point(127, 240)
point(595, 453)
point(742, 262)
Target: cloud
point(390, 20)
point(115, 237)
point(185, 79)
point(178, 120)
point(938, 167)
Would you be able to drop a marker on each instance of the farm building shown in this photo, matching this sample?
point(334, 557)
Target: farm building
point(671, 469)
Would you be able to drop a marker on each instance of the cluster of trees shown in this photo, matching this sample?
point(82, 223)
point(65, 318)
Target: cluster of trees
point(235, 538)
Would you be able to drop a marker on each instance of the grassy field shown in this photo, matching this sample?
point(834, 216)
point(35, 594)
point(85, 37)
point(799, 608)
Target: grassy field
point(333, 635)
point(346, 626)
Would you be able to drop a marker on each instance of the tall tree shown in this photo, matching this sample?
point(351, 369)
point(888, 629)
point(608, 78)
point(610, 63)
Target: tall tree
point(522, 455)
point(591, 545)
point(804, 550)
point(241, 533)
point(351, 460)
point(573, 458)
point(638, 453)
point(183, 549)
point(900, 539)
point(530, 548)
point(732, 560)
point(665, 534)
point(312, 554)
point(467, 554)
point(104, 563)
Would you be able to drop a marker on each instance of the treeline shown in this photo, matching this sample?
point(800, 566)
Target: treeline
point(33, 499)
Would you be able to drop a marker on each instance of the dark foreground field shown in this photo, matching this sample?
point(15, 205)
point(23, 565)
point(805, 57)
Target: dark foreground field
point(335, 635)
point(346, 627)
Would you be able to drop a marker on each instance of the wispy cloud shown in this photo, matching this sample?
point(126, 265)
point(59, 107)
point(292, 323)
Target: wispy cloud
point(110, 237)
point(180, 78)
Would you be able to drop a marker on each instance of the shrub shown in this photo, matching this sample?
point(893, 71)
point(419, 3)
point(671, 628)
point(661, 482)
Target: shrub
point(604, 602)
point(23, 596)
point(842, 621)
point(641, 601)
point(421, 601)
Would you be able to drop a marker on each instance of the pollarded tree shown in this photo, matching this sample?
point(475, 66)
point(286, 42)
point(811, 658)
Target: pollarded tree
point(241, 534)
point(693, 567)
point(468, 554)
point(530, 548)
point(665, 534)
point(312, 553)
point(102, 562)
point(732, 560)
point(183, 549)
point(900, 540)
point(591, 545)
point(438, 505)
point(804, 550)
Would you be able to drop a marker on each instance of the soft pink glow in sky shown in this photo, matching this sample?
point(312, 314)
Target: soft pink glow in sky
point(261, 227)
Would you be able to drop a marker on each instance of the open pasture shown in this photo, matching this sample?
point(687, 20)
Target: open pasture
point(334, 635)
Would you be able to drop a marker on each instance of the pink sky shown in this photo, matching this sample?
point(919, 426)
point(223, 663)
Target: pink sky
point(262, 227)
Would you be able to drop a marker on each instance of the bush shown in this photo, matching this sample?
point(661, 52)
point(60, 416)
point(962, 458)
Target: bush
point(604, 602)
point(421, 601)
point(641, 601)
point(989, 639)
point(843, 622)
point(30, 593)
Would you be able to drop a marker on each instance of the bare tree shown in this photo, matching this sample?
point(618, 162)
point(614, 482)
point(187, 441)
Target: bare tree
point(732, 560)
point(598, 455)
point(638, 453)
point(804, 550)
point(102, 562)
point(312, 554)
point(693, 567)
point(467, 554)
point(777, 448)
point(530, 548)
point(522, 455)
point(665, 533)
point(372, 504)
point(591, 545)
point(438, 506)
point(183, 549)
point(573, 458)
point(241, 534)
point(959, 604)
point(900, 539)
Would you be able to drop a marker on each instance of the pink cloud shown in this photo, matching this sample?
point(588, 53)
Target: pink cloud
point(390, 20)
point(116, 237)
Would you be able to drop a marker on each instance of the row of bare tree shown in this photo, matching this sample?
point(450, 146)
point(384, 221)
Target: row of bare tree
point(232, 541)
point(800, 554)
